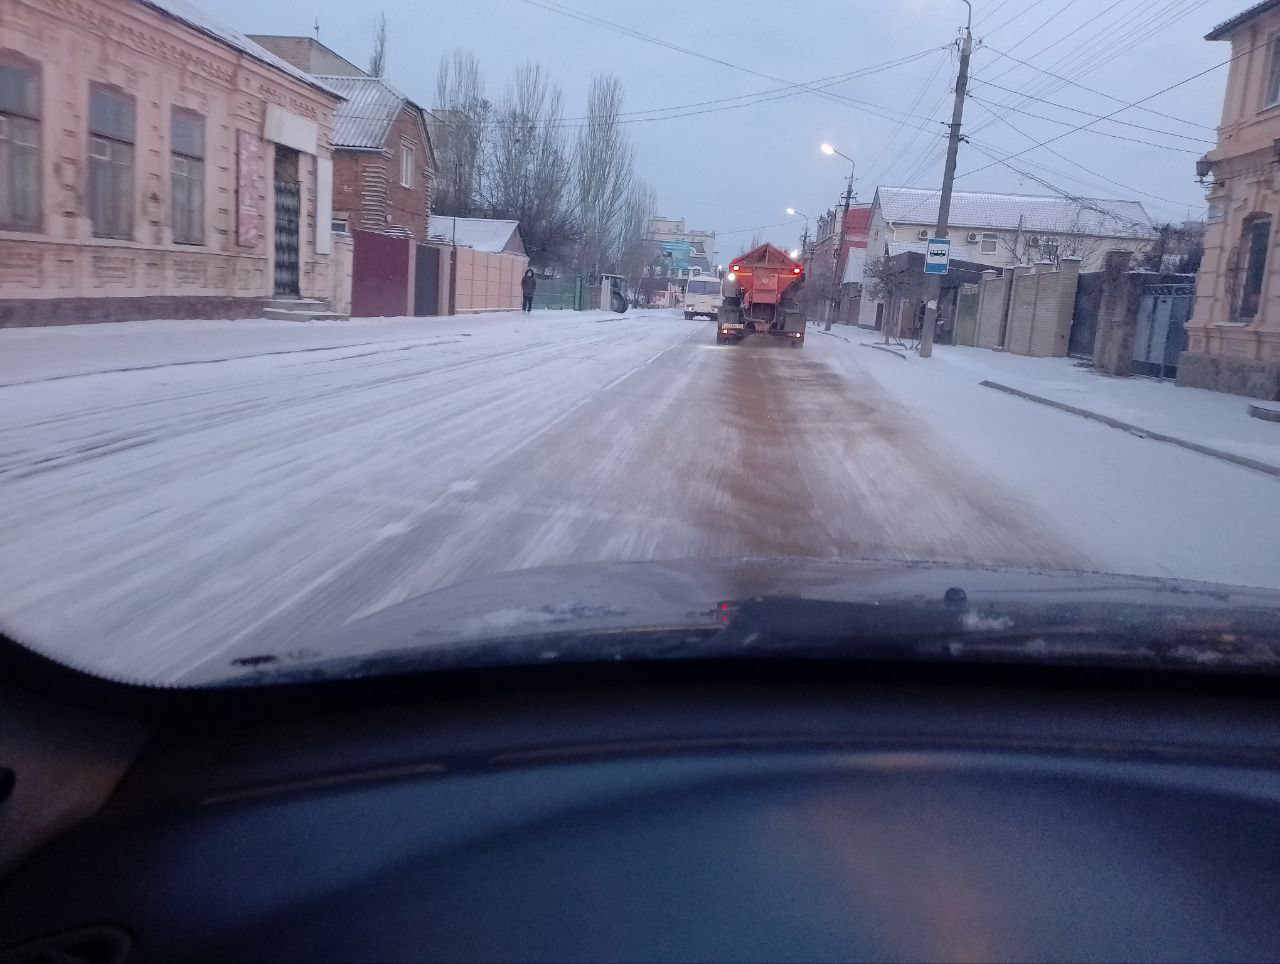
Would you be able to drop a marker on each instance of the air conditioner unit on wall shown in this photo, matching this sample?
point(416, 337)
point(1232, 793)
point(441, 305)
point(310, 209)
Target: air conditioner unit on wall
point(972, 237)
point(923, 234)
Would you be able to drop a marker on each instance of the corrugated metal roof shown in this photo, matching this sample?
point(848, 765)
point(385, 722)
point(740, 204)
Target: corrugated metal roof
point(364, 121)
point(194, 17)
point(1046, 214)
point(483, 234)
point(1221, 31)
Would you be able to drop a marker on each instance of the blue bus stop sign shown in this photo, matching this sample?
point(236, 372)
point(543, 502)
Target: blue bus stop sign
point(937, 258)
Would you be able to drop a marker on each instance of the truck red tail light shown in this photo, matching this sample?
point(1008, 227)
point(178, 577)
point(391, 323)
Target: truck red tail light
point(735, 268)
point(797, 270)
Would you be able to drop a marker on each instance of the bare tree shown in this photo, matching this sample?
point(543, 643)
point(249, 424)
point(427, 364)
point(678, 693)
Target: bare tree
point(603, 161)
point(526, 174)
point(894, 285)
point(633, 251)
point(378, 59)
point(462, 113)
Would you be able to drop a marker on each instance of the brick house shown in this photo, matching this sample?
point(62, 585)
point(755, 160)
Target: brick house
point(1233, 337)
point(156, 163)
point(383, 161)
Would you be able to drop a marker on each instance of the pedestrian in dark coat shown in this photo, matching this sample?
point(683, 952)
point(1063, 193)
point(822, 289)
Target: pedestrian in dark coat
point(528, 285)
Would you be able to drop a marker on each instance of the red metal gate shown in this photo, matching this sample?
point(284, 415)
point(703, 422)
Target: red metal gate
point(380, 275)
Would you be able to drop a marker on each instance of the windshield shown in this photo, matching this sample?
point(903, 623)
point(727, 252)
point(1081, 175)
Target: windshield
point(336, 331)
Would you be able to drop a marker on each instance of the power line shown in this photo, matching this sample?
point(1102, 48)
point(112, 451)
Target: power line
point(1127, 187)
point(553, 6)
point(1077, 110)
point(1055, 120)
point(992, 12)
point(1118, 110)
point(1111, 97)
point(1132, 19)
point(872, 167)
point(1028, 9)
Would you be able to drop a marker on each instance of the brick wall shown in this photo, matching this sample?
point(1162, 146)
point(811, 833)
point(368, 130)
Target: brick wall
point(993, 305)
point(367, 189)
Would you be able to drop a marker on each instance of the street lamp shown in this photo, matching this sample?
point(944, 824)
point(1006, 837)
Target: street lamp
point(800, 214)
point(844, 218)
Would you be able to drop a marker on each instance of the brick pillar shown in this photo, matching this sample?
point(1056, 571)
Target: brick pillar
point(1022, 307)
point(1117, 314)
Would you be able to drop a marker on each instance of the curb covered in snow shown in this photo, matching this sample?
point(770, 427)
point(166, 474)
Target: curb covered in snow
point(1248, 463)
point(885, 348)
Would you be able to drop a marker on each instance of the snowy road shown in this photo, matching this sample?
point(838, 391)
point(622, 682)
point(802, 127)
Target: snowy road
point(175, 501)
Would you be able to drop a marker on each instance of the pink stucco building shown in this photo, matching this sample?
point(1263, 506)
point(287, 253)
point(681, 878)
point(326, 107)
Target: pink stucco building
point(156, 163)
point(1233, 338)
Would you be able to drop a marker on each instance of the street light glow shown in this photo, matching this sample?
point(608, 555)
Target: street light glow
point(827, 149)
point(791, 211)
point(795, 254)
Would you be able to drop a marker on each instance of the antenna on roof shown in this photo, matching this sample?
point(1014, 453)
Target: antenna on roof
point(316, 28)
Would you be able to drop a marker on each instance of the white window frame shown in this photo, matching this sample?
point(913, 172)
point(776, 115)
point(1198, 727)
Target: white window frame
point(407, 161)
point(991, 239)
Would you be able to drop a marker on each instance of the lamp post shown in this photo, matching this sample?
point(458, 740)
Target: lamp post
point(844, 218)
point(804, 239)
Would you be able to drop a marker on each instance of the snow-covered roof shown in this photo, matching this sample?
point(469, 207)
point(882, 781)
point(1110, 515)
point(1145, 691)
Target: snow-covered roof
point(195, 18)
point(1222, 30)
point(1033, 212)
point(483, 234)
point(364, 121)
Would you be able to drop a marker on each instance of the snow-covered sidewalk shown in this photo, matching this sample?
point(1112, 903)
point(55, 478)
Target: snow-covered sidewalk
point(40, 354)
point(1210, 419)
point(1128, 504)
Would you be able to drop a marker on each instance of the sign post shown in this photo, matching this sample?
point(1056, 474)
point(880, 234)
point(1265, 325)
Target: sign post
point(937, 259)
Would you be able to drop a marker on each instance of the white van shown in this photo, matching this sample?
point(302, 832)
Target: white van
point(703, 296)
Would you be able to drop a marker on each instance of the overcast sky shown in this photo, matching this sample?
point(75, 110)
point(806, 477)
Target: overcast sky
point(732, 170)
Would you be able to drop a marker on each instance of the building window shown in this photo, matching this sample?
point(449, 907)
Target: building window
point(19, 147)
point(1272, 93)
point(989, 243)
point(111, 139)
point(1257, 238)
point(186, 145)
point(340, 226)
point(406, 166)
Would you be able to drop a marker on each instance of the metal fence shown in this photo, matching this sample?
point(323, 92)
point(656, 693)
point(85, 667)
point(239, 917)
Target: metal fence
point(558, 294)
point(965, 331)
point(1161, 334)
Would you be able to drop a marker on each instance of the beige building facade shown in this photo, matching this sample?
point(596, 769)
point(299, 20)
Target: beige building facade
point(155, 163)
point(1233, 337)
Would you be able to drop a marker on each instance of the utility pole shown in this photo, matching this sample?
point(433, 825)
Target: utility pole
point(934, 287)
point(835, 267)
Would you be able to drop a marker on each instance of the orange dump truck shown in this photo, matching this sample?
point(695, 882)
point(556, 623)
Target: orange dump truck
point(760, 298)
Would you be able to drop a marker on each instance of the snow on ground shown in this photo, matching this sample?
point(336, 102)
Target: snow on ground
point(36, 354)
point(1214, 419)
point(1129, 504)
point(175, 494)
